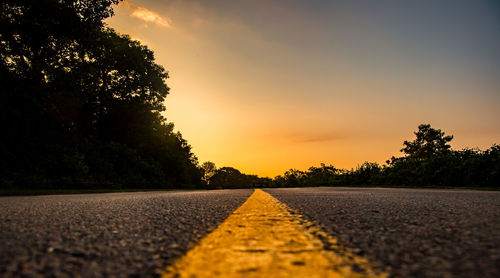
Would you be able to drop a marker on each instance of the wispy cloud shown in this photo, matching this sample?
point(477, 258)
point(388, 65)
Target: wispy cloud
point(315, 137)
point(147, 15)
point(319, 138)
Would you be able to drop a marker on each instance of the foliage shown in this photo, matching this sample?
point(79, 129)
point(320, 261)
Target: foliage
point(428, 161)
point(228, 177)
point(81, 104)
point(429, 143)
point(209, 169)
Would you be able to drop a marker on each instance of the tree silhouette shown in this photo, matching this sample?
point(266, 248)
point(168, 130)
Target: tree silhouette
point(81, 103)
point(429, 142)
point(209, 169)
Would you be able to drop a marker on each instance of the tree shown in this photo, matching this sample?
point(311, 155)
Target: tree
point(366, 173)
point(81, 104)
point(228, 177)
point(320, 176)
point(430, 142)
point(293, 177)
point(209, 169)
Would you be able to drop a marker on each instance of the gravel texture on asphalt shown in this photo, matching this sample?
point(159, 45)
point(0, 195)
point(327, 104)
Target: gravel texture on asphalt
point(409, 233)
point(106, 235)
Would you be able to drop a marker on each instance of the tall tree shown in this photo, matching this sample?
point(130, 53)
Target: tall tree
point(77, 98)
point(429, 142)
point(209, 169)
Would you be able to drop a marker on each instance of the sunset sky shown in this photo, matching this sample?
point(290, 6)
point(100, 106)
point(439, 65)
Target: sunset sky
point(265, 86)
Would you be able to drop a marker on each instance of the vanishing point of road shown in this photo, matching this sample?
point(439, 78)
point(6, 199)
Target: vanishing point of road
point(321, 232)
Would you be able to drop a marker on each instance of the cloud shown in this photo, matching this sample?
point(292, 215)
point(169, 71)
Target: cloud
point(147, 15)
point(319, 138)
point(316, 137)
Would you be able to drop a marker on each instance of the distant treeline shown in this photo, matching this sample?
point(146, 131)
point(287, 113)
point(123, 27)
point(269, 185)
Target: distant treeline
point(428, 161)
point(466, 168)
point(80, 104)
point(228, 177)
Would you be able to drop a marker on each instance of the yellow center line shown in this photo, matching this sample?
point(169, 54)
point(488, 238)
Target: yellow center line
point(264, 238)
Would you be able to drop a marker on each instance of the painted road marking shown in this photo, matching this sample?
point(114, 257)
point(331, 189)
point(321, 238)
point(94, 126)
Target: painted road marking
point(264, 238)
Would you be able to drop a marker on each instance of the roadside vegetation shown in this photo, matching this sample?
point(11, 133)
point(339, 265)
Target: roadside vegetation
point(81, 105)
point(82, 109)
point(428, 161)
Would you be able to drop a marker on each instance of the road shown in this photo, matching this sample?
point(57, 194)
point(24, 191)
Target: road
point(106, 235)
point(408, 233)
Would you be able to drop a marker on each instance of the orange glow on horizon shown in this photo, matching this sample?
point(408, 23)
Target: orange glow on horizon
point(265, 102)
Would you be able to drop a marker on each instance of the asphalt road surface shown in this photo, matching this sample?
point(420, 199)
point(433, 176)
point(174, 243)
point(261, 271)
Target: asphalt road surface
point(106, 235)
point(409, 233)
